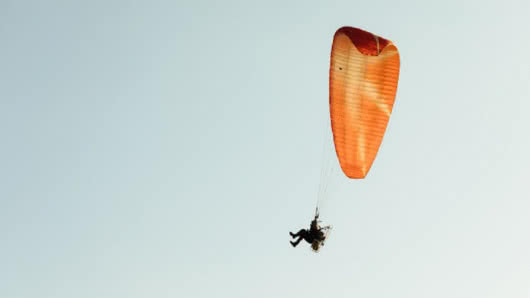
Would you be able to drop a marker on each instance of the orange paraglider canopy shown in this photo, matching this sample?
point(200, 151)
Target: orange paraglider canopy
point(363, 80)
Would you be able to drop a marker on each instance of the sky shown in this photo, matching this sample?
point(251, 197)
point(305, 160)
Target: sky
point(166, 149)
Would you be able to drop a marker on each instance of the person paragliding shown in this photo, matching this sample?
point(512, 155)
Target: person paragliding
point(316, 235)
point(363, 80)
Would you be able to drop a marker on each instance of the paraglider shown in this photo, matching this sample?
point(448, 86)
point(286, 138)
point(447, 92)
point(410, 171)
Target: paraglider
point(363, 78)
point(363, 81)
point(316, 235)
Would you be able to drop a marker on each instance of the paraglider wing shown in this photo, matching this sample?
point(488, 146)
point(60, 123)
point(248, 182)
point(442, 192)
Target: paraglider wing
point(364, 73)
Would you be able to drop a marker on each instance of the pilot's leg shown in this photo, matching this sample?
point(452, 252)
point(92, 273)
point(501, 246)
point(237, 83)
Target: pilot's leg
point(302, 233)
point(295, 243)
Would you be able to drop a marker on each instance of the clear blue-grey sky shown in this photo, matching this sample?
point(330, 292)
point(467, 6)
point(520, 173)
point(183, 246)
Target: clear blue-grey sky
point(165, 149)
